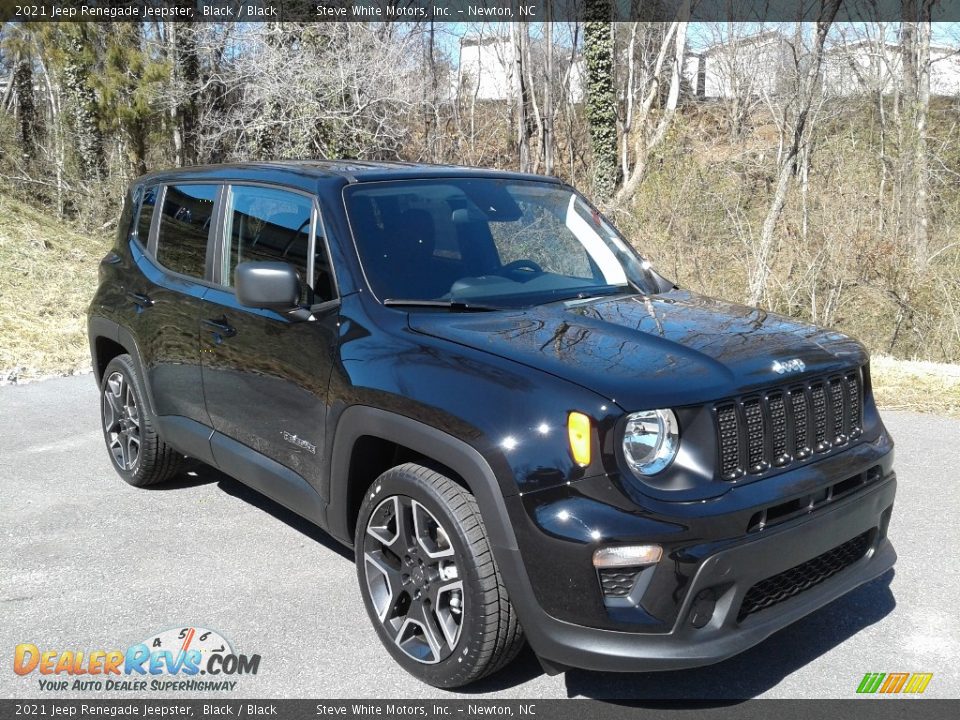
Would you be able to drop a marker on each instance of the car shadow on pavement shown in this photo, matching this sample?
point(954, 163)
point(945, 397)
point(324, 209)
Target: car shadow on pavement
point(197, 473)
point(754, 671)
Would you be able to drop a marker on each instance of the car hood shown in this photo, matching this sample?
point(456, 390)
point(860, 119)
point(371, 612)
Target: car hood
point(643, 351)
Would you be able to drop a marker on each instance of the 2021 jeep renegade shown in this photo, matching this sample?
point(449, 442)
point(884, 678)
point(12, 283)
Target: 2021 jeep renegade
point(520, 427)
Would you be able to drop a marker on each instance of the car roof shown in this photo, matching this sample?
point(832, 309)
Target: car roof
point(308, 174)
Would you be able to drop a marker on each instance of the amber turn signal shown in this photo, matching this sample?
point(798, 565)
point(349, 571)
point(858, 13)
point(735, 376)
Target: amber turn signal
point(578, 430)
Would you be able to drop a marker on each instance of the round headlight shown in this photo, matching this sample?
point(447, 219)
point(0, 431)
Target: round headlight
point(650, 440)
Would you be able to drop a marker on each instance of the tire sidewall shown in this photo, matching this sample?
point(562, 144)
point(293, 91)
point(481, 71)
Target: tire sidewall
point(453, 670)
point(124, 366)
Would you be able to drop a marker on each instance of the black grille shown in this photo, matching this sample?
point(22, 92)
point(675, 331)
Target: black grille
point(794, 581)
point(618, 582)
point(788, 424)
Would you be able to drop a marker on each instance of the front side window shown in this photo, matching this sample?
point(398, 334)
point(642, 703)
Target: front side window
point(507, 243)
point(274, 225)
point(184, 228)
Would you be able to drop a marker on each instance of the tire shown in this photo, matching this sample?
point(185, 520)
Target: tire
point(138, 454)
point(420, 531)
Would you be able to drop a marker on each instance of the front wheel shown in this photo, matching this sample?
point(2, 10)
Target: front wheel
point(429, 580)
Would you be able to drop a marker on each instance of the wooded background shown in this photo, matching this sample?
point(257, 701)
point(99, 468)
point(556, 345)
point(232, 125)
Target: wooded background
point(841, 208)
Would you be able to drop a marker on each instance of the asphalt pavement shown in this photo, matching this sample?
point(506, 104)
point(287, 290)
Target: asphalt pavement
point(88, 562)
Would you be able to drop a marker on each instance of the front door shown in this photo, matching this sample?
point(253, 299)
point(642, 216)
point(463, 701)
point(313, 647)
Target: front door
point(265, 375)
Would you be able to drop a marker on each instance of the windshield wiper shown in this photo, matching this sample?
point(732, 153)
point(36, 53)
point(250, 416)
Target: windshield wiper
point(451, 305)
point(589, 294)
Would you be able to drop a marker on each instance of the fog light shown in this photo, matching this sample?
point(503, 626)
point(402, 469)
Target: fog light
point(627, 556)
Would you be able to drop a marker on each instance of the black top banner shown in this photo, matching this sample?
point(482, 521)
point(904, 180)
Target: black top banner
point(462, 11)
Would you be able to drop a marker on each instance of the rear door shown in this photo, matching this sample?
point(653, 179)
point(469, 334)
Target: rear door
point(265, 375)
point(176, 224)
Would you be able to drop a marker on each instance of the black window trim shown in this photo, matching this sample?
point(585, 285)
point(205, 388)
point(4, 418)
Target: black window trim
point(136, 200)
point(318, 228)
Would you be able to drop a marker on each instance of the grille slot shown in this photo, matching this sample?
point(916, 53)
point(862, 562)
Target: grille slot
point(792, 582)
point(728, 431)
point(786, 425)
point(819, 398)
point(618, 582)
point(776, 514)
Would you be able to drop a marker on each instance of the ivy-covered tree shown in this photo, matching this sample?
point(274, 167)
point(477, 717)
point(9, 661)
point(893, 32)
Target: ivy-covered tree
point(26, 113)
point(74, 48)
point(129, 87)
point(601, 97)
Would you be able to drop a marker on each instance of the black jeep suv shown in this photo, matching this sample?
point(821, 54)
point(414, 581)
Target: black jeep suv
point(518, 425)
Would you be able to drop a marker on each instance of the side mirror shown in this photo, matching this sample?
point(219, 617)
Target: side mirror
point(270, 285)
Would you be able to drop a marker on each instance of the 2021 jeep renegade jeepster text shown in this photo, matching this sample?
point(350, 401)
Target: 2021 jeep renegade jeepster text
point(521, 428)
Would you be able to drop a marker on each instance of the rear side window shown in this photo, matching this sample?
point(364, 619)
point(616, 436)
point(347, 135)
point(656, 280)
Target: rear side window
point(269, 225)
point(184, 228)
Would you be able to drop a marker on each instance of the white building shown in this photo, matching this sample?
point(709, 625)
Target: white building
point(870, 66)
point(761, 64)
point(749, 66)
point(487, 66)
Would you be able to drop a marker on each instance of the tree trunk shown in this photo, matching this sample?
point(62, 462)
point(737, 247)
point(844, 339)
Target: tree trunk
point(601, 98)
point(548, 113)
point(27, 126)
point(521, 94)
point(186, 74)
point(915, 107)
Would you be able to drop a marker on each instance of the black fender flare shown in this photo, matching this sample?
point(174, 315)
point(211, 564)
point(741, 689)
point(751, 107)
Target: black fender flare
point(101, 327)
point(359, 420)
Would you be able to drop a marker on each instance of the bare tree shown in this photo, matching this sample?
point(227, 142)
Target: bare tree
point(796, 117)
point(519, 33)
point(648, 114)
point(353, 96)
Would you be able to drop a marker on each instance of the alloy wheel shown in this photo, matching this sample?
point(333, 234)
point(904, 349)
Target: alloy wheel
point(121, 421)
point(413, 580)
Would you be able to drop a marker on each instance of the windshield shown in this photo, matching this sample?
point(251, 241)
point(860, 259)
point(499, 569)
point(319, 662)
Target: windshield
point(502, 243)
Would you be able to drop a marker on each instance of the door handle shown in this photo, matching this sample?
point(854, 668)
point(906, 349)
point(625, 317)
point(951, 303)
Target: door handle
point(141, 300)
point(220, 326)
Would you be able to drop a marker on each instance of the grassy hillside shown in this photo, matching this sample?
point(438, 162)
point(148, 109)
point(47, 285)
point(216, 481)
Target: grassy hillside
point(48, 272)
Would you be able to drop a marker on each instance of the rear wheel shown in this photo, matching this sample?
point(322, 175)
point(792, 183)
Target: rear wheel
point(429, 580)
point(138, 454)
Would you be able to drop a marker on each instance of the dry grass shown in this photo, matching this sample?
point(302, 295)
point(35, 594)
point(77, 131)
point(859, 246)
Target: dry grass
point(48, 272)
point(916, 385)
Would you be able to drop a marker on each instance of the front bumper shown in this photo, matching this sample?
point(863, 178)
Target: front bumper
point(724, 576)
